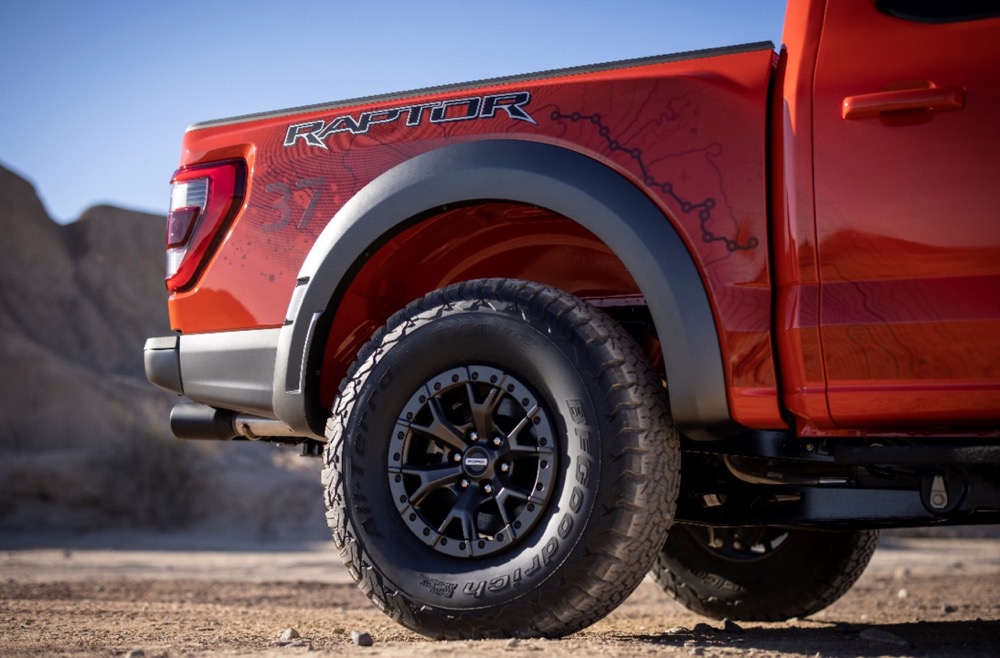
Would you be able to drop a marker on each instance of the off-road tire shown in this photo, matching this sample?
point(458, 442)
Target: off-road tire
point(780, 574)
point(605, 481)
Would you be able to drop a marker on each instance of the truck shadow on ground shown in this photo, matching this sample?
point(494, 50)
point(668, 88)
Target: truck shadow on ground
point(933, 638)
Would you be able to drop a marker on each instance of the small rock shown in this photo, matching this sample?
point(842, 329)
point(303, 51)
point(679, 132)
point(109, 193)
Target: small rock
point(677, 630)
point(903, 593)
point(702, 627)
point(902, 573)
point(883, 637)
point(697, 651)
point(948, 609)
point(288, 635)
point(361, 639)
point(732, 627)
point(513, 642)
point(136, 653)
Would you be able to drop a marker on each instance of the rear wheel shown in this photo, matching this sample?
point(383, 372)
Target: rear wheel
point(500, 463)
point(760, 574)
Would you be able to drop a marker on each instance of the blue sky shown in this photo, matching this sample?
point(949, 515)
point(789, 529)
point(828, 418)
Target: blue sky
point(95, 95)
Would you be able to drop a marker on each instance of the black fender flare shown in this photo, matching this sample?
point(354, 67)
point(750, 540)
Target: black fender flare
point(564, 181)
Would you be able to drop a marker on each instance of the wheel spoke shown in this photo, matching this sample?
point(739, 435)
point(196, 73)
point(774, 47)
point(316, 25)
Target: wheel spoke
point(482, 412)
point(440, 427)
point(514, 436)
point(524, 422)
point(464, 510)
point(518, 494)
point(501, 499)
point(431, 479)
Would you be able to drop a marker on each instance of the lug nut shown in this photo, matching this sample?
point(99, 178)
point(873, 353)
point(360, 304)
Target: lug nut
point(504, 467)
point(488, 488)
point(456, 456)
point(463, 483)
point(473, 436)
point(497, 441)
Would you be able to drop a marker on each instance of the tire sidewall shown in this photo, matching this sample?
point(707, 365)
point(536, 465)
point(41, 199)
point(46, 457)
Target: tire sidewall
point(411, 354)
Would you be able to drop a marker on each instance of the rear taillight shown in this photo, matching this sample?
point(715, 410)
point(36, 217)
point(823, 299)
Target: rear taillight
point(203, 201)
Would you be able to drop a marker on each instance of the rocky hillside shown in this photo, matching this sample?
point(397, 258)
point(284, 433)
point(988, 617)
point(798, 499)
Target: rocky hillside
point(84, 442)
point(76, 304)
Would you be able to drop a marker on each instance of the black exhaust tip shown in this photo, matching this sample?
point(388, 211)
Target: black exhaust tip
point(189, 420)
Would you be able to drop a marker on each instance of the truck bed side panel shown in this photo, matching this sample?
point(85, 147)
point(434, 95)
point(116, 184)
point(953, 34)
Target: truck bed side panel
point(689, 131)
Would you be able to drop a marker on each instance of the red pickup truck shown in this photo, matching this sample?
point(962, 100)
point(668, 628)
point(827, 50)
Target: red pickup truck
point(720, 315)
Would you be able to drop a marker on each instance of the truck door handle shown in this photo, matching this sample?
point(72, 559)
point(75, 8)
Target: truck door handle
point(930, 98)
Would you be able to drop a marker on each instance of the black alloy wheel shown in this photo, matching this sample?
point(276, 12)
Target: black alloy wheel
point(471, 461)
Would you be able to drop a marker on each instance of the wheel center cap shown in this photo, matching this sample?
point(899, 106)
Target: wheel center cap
point(475, 461)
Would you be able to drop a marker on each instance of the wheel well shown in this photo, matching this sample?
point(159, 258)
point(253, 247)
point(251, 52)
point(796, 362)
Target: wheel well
point(471, 241)
point(563, 218)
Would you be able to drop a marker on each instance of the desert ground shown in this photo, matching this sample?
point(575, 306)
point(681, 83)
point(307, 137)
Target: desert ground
point(181, 595)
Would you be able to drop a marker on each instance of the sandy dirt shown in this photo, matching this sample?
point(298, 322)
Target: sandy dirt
point(119, 596)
